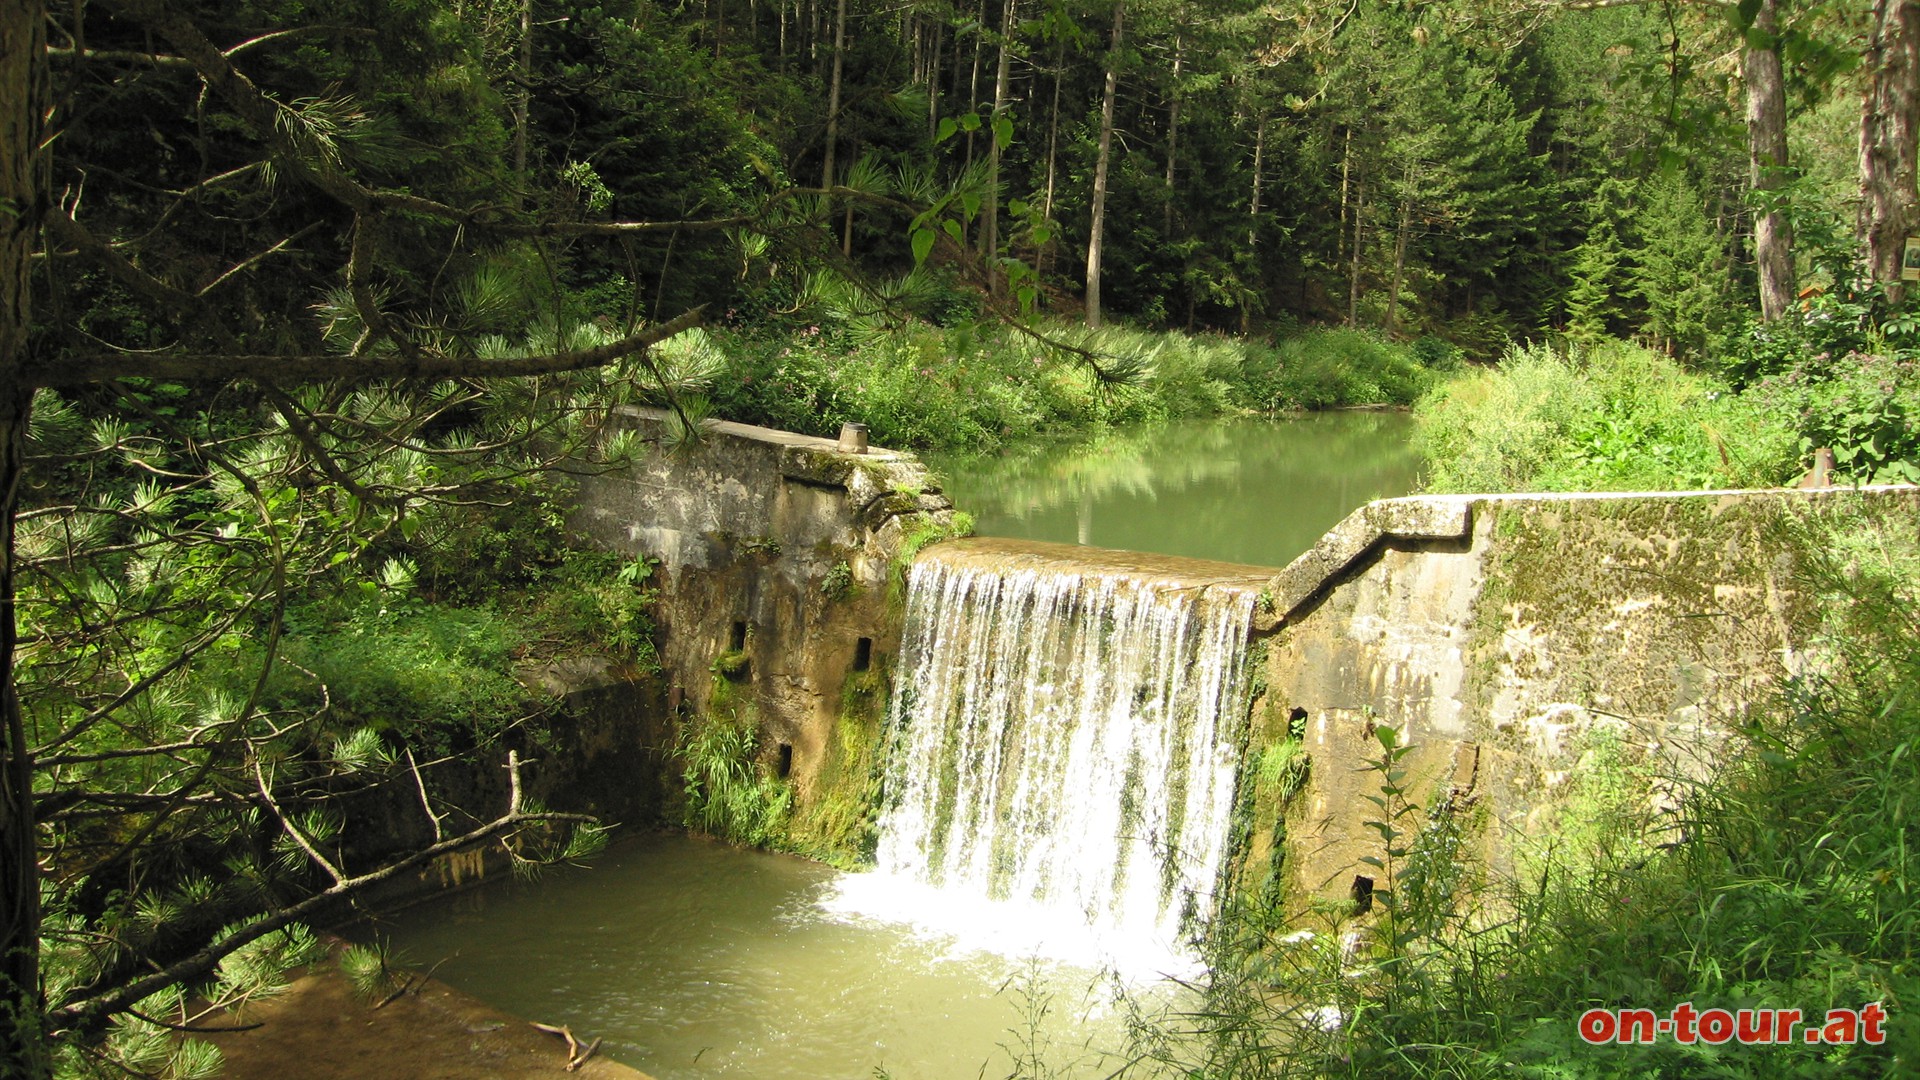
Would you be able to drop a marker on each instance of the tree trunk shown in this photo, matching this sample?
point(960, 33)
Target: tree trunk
point(813, 33)
point(1889, 126)
point(973, 80)
point(22, 92)
point(1053, 146)
point(933, 78)
point(1767, 158)
point(1253, 219)
point(1173, 137)
point(1400, 250)
point(1346, 169)
point(1359, 235)
point(523, 103)
point(990, 233)
point(916, 39)
point(833, 94)
point(1096, 231)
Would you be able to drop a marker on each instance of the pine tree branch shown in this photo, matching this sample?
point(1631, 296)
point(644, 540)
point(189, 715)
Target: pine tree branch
point(91, 1008)
point(81, 370)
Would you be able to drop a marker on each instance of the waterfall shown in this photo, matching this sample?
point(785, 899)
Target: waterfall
point(1064, 737)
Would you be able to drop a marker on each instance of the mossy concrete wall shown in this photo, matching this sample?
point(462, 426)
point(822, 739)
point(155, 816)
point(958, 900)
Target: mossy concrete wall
point(776, 553)
point(1521, 642)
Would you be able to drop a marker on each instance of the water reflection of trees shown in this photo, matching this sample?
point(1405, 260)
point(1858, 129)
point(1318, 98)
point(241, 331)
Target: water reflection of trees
point(1024, 479)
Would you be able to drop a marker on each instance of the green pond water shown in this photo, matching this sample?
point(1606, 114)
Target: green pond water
point(693, 959)
point(1249, 491)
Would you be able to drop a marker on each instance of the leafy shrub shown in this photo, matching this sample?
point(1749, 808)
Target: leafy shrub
point(438, 677)
point(1865, 406)
point(602, 601)
point(1324, 368)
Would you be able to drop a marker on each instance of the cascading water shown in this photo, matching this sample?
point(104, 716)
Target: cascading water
point(1063, 741)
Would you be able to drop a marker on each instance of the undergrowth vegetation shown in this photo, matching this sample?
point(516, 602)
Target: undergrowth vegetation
point(1783, 879)
point(728, 794)
point(971, 386)
point(1613, 417)
point(1609, 415)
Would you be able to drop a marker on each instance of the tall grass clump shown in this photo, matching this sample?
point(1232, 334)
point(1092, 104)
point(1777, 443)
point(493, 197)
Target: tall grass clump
point(1615, 417)
point(727, 793)
point(1784, 879)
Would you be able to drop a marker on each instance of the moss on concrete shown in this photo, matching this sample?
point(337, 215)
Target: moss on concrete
point(838, 822)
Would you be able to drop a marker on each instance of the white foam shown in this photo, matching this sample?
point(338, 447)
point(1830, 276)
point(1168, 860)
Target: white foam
point(963, 926)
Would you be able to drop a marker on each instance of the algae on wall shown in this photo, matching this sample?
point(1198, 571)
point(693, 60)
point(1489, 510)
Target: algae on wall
point(838, 821)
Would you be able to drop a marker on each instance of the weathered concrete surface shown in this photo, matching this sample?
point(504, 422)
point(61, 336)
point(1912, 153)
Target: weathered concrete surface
point(775, 549)
point(1507, 650)
point(1384, 521)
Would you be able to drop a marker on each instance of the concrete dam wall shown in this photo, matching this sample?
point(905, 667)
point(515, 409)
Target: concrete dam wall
point(1522, 642)
point(1514, 640)
point(777, 553)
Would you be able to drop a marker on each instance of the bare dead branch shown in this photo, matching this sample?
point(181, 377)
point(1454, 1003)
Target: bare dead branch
point(118, 56)
point(426, 804)
point(58, 760)
point(287, 825)
point(324, 461)
point(68, 231)
point(194, 1029)
point(298, 31)
point(251, 261)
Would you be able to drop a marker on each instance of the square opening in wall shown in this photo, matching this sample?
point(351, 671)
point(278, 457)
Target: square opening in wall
point(783, 766)
point(863, 654)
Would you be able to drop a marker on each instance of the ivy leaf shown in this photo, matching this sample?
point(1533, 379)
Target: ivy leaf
point(947, 128)
point(922, 244)
point(953, 230)
point(1003, 131)
point(970, 203)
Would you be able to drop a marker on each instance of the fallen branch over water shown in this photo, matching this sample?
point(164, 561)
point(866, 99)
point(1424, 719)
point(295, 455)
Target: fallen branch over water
point(576, 1054)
